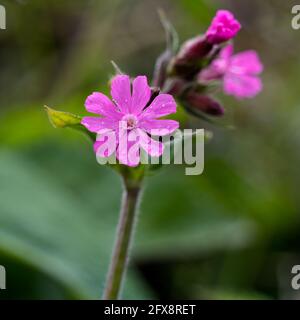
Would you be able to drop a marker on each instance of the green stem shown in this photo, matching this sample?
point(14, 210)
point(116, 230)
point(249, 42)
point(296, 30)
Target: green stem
point(120, 257)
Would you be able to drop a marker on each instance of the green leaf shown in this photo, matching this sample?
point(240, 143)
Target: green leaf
point(61, 119)
point(50, 229)
point(68, 230)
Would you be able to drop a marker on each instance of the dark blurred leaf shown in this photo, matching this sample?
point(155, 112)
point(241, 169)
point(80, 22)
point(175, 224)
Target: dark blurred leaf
point(44, 225)
point(231, 294)
point(181, 219)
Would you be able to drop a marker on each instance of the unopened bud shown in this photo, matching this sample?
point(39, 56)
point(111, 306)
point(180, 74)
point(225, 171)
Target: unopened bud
point(175, 86)
point(193, 50)
point(204, 103)
point(61, 119)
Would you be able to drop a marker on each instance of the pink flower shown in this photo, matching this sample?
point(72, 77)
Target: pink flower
point(223, 27)
point(239, 72)
point(129, 119)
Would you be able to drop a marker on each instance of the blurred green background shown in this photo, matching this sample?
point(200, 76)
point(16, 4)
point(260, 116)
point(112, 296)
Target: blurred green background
point(231, 233)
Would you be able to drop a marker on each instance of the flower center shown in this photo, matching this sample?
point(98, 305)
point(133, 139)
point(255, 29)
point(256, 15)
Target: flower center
point(129, 121)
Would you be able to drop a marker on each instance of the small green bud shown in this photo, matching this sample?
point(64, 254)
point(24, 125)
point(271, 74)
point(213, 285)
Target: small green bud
point(61, 119)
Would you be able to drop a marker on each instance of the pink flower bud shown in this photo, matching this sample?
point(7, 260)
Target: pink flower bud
point(175, 86)
point(223, 27)
point(193, 49)
point(204, 103)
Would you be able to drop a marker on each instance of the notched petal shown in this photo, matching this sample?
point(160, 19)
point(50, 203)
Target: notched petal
point(164, 104)
point(141, 94)
point(121, 92)
point(99, 103)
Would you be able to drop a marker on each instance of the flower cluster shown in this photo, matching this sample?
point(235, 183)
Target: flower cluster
point(209, 59)
point(131, 119)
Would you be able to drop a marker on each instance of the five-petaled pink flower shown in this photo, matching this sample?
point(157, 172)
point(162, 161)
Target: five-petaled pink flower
point(130, 117)
point(223, 27)
point(239, 72)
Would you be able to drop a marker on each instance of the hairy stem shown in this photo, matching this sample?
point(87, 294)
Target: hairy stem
point(120, 257)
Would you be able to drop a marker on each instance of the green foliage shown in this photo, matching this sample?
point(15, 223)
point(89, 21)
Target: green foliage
point(68, 233)
point(45, 226)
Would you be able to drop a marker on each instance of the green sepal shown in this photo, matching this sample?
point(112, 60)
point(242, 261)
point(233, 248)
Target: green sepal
point(61, 119)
